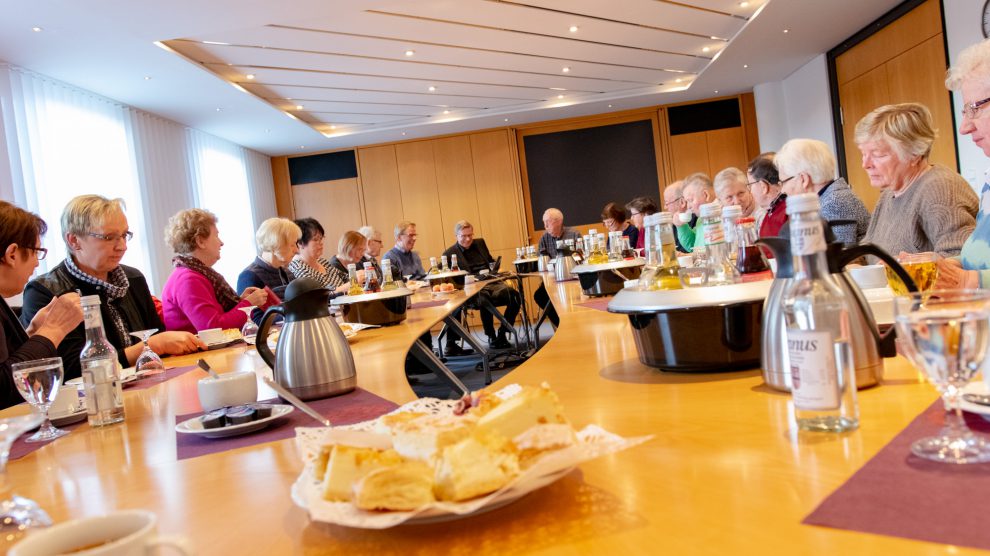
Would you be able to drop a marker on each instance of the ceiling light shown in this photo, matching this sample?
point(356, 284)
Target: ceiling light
point(432, 88)
point(560, 96)
point(250, 76)
point(333, 127)
point(446, 111)
point(714, 38)
point(744, 4)
point(716, 91)
point(147, 78)
point(566, 69)
point(609, 105)
point(410, 53)
point(219, 109)
point(787, 30)
point(302, 146)
point(217, 42)
point(705, 49)
point(678, 80)
point(36, 29)
point(573, 29)
point(299, 107)
point(745, 66)
point(403, 133)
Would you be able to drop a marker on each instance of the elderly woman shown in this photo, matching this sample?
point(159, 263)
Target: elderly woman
point(350, 250)
point(196, 297)
point(310, 263)
point(614, 219)
point(374, 250)
point(922, 207)
point(20, 249)
point(96, 235)
point(808, 166)
point(731, 189)
point(971, 77)
point(764, 185)
point(277, 240)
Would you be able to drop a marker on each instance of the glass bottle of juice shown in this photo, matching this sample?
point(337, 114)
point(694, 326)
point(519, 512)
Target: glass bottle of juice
point(355, 287)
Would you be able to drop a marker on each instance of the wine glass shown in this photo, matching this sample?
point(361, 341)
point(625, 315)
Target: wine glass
point(148, 363)
point(250, 330)
point(946, 333)
point(17, 514)
point(38, 382)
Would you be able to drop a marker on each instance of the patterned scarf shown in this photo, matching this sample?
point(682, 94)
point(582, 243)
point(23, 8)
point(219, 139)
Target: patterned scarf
point(225, 294)
point(116, 287)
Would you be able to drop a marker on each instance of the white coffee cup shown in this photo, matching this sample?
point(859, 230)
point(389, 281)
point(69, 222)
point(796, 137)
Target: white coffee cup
point(228, 390)
point(123, 533)
point(66, 401)
point(211, 335)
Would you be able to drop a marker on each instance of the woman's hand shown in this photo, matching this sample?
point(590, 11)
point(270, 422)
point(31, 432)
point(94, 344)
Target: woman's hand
point(343, 288)
point(255, 296)
point(61, 316)
point(951, 275)
point(175, 343)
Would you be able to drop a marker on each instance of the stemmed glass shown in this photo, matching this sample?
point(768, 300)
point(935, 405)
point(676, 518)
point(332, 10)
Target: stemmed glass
point(250, 330)
point(38, 382)
point(946, 333)
point(148, 363)
point(17, 514)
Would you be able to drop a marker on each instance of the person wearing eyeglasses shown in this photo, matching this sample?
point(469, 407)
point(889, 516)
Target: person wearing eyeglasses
point(309, 262)
point(402, 255)
point(374, 250)
point(731, 189)
point(922, 206)
point(970, 77)
point(20, 251)
point(698, 191)
point(674, 203)
point(96, 233)
point(764, 185)
point(614, 220)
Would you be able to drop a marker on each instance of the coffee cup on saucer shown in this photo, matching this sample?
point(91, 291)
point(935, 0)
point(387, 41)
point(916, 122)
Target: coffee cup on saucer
point(228, 390)
point(123, 533)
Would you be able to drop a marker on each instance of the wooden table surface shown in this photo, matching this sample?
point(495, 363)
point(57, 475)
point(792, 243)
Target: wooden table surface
point(727, 472)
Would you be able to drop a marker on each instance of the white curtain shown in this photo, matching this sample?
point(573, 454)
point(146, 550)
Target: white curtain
point(64, 141)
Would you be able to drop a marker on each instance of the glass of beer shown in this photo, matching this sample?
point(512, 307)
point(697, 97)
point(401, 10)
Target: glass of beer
point(922, 267)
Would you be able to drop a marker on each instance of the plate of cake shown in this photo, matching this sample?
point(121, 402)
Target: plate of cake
point(435, 460)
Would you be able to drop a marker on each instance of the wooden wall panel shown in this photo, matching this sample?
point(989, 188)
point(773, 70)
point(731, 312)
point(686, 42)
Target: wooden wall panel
point(859, 97)
point(420, 201)
point(283, 187)
point(747, 105)
point(689, 152)
point(915, 27)
point(726, 147)
point(379, 173)
point(456, 186)
point(336, 204)
point(498, 192)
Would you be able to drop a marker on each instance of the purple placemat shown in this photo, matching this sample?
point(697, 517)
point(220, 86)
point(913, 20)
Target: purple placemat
point(600, 304)
point(359, 405)
point(148, 382)
point(899, 494)
point(22, 448)
point(425, 304)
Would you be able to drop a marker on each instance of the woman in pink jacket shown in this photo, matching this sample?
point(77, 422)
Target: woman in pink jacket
point(195, 296)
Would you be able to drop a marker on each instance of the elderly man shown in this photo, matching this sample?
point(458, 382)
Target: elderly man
point(473, 256)
point(553, 224)
point(731, 188)
point(674, 203)
point(764, 184)
point(402, 255)
point(374, 249)
point(698, 191)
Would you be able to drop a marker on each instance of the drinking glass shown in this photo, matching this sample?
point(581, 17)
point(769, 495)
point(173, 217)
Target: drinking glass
point(38, 382)
point(946, 333)
point(148, 363)
point(17, 514)
point(250, 330)
point(922, 267)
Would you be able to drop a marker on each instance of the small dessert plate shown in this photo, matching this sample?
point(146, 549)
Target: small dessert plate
point(195, 427)
point(78, 414)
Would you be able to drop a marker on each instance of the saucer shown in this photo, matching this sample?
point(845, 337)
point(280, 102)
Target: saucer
point(194, 426)
point(69, 418)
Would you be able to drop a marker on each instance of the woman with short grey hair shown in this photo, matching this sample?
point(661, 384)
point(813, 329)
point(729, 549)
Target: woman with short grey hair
point(277, 240)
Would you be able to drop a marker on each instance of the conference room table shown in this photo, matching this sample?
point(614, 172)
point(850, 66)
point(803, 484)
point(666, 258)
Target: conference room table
point(725, 473)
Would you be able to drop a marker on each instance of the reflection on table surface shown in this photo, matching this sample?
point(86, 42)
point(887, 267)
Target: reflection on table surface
point(726, 473)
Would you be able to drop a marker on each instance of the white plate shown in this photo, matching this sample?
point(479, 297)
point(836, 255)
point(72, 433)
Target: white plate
point(69, 418)
point(127, 378)
point(415, 284)
point(194, 426)
point(975, 387)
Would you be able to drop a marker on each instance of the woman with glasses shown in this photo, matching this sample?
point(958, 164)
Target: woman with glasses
point(310, 263)
point(922, 206)
point(639, 208)
point(20, 239)
point(277, 240)
point(195, 296)
point(614, 219)
point(96, 235)
point(970, 76)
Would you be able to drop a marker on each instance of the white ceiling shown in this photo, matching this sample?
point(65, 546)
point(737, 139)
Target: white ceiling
point(492, 63)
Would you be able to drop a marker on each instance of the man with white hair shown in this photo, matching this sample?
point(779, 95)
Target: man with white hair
point(807, 165)
point(374, 249)
point(731, 189)
point(698, 191)
point(553, 224)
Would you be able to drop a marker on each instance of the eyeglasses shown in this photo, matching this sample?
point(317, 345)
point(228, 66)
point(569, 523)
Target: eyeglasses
point(635, 213)
point(972, 109)
point(374, 241)
point(40, 252)
point(113, 238)
point(782, 182)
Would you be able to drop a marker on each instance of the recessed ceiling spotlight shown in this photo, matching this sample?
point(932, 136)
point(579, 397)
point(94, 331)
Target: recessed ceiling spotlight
point(714, 38)
point(37, 29)
point(566, 69)
point(219, 109)
point(505, 119)
point(302, 146)
point(787, 30)
point(560, 96)
point(678, 80)
point(745, 66)
point(333, 127)
point(250, 76)
point(446, 111)
point(609, 105)
point(744, 4)
point(410, 53)
point(299, 107)
point(705, 49)
point(403, 133)
point(147, 78)
point(573, 29)
point(432, 88)
point(716, 91)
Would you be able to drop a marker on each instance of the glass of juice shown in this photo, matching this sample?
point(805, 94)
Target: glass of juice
point(922, 267)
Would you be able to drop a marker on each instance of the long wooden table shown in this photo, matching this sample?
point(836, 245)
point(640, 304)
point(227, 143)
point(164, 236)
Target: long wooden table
point(726, 473)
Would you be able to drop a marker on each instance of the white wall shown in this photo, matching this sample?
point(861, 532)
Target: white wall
point(962, 27)
point(797, 106)
point(7, 191)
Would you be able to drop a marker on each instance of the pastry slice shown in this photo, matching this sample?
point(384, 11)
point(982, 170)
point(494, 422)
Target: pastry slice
point(348, 464)
point(533, 405)
point(477, 465)
point(424, 438)
point(402, 487)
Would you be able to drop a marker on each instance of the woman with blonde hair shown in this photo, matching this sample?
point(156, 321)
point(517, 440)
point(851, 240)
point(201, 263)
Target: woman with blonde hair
point(922, 206)
point(277, 240)
point(350, 250)
point(195, 296)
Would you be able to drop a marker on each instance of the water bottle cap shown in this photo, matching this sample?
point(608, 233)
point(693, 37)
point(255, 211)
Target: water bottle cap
point(804, 202)
point(711, 209)
point(653, 219)
point(731, 210)
point(665, 218)
point(89, 300)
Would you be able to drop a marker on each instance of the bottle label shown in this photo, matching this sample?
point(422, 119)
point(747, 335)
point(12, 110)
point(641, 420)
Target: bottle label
point(807, 237)
point(92, 318)
point(813, 371)
point(713, 233)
